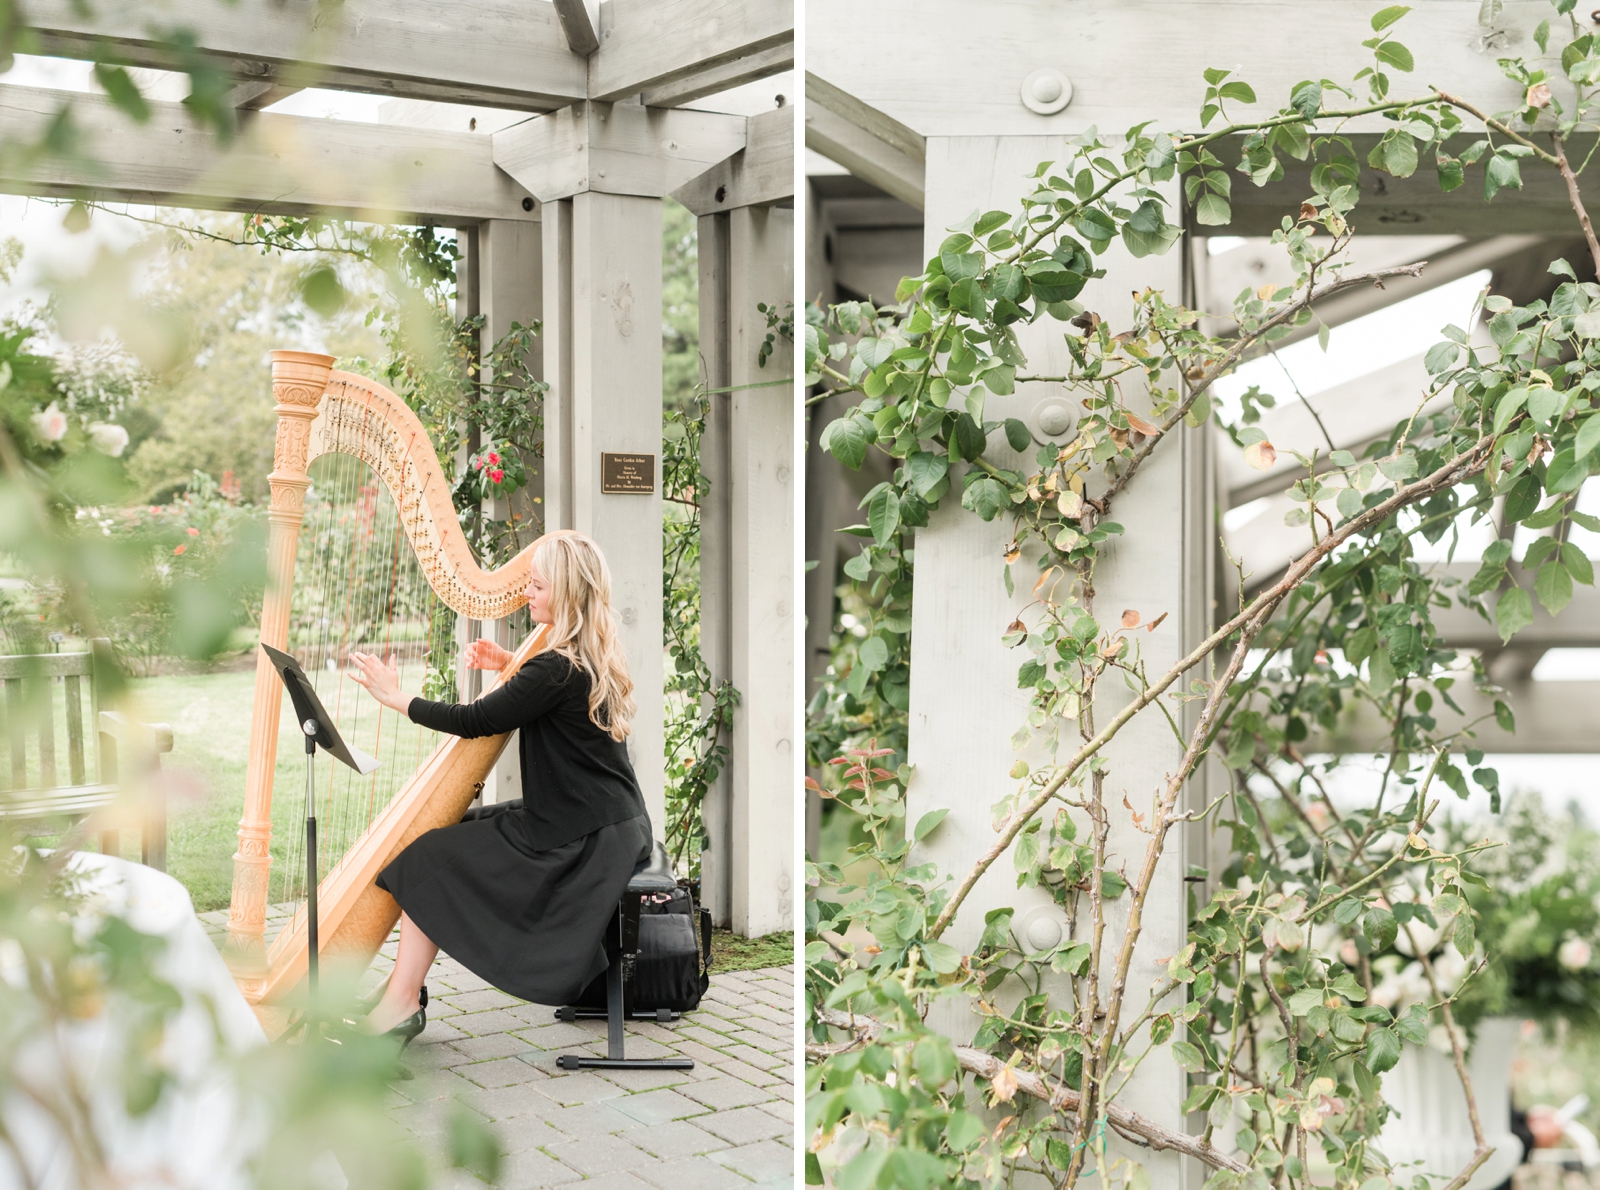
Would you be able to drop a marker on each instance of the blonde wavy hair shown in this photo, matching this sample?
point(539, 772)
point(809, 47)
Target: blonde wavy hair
point(583, 628)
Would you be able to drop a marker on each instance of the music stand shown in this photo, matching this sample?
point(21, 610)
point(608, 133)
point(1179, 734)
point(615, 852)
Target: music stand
point(318, 728)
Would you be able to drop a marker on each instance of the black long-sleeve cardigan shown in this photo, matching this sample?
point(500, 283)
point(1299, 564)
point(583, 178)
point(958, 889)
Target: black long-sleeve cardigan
point(575, 777)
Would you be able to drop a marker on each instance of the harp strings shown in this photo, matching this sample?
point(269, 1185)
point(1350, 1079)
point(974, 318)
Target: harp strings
point(358, 587)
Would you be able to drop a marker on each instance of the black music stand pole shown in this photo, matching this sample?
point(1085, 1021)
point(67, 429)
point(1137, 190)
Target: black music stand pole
point(318, 727)
point(311, 727)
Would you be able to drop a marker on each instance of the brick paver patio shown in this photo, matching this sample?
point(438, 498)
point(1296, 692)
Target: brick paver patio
point(728, 1123)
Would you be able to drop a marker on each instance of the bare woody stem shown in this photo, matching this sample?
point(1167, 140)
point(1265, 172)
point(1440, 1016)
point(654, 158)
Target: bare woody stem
point(1576, 199)
point(1061, 1099)
point(1164, 820)
point(1446, 476)
point(1482, 1147)
point(1287, 314)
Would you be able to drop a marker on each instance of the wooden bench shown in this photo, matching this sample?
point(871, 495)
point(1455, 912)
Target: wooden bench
point(46, 688)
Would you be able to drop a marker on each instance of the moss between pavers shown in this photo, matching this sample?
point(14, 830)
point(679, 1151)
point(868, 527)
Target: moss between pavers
point(729, 952)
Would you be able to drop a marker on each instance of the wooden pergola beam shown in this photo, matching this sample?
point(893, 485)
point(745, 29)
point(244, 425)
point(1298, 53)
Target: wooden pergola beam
point(647, 44)
point(499, 53)
point(871, 144)
point(276, 165)
point(580, 22)
point(712, 79)
point(760, 174)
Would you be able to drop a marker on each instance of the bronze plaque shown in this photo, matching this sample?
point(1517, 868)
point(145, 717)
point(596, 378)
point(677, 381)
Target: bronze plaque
point(627, 475)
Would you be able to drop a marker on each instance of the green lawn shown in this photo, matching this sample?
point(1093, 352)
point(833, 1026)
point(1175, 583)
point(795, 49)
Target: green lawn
point(210, 719)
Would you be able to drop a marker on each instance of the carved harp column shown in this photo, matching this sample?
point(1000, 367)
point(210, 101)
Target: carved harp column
point(298, 381)
point(321, 412)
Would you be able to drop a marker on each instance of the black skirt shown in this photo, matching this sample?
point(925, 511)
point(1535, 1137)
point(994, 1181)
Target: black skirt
point(532, 923)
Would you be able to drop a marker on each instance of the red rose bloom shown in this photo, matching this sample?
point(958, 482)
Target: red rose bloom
point(494, 458)
point(497, 475)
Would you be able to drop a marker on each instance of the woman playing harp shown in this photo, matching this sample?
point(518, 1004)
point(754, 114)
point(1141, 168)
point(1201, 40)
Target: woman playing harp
point(521, 895)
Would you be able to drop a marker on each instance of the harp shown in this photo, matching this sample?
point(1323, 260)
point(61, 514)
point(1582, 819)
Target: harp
point(365, 551)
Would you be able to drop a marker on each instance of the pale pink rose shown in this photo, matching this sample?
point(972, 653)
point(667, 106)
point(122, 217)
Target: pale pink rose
point(108, 439)
point(1574, 954)
point(50, 424)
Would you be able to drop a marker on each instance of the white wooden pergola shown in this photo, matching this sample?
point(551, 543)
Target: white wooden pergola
point(564, 130)
point(919, 156)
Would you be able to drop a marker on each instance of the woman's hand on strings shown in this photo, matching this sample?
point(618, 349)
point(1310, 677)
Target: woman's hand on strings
point(382, 681)
point(485, 654)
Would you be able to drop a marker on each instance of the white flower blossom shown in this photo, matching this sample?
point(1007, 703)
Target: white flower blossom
point(50, 423)
point(1574, 954)
point(108, 438)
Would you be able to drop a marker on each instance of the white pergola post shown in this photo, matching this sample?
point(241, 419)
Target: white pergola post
point(965, 704)
point(602, 354)
point(747, 635)
point(508, 279)
point(600, 171)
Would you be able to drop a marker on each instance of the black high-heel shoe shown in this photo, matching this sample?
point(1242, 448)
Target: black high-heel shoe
point(408, 1030)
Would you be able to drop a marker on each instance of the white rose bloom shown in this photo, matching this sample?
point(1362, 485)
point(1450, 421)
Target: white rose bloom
point(108, 438)
point(1574, 954)
point(51, 423)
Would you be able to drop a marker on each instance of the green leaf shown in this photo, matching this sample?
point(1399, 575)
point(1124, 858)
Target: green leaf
point(961, 266)
point(924, 470)
point(1588, 437)
point(1553, 586)
point(1501, 172)
point(1307, 99)
point(1213, 210)
point(1504, 718)
point(1385, 17)
point(1541, 36)
point(863, 1169)
point(927, 823)
point(1152, 243)
point(942, 957)
point(1188, 1057)
point(1240, 92)
point(969, 439)
point(873, 654)
point(813, 1169)
point(1305, 1000)
point(1383, 1050)
point(963, 1131)
point(934, 1059)
point(1451, 172)
point(989, 222)
point(1396, 55)
point(122, 91)
point(1018, 436)
point(1440, 357)
point(986, 497)
point(847, 439)
point(1380, 927)
point(1566, 474)
point(1577, 564)
point(883, 515)
point(1513, 613)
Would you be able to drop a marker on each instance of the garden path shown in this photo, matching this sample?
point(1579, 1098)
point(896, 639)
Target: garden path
point(727, 1124)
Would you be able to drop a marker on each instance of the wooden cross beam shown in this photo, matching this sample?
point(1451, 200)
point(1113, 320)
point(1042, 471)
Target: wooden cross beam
point(498, 53)
point(277, 164)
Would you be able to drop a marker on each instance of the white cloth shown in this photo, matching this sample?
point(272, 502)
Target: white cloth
point(201, 1133)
